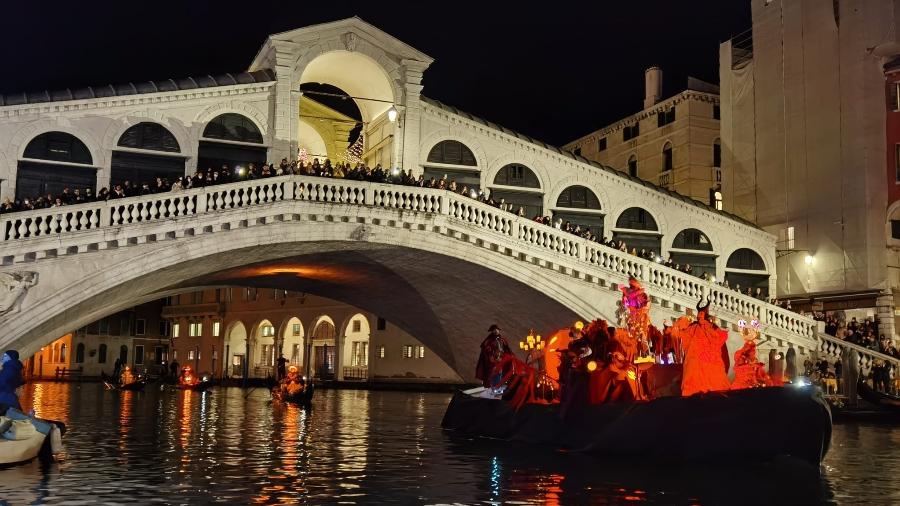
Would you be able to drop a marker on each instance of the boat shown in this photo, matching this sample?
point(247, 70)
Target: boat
point(302, 398)
point(27, 438)
point(754, 424)
point(883, 400)
point(199, 386)
point(135, 386)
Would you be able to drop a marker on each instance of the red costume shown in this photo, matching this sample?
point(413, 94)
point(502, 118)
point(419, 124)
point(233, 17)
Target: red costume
point(748, 370)
point(705, 369)
point(493, 349)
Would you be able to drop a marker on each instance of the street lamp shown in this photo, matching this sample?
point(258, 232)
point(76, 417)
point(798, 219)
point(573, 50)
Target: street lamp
point(809, 259)
point(392, 114)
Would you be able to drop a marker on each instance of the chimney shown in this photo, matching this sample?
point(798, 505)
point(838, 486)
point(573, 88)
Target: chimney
point(652, 86)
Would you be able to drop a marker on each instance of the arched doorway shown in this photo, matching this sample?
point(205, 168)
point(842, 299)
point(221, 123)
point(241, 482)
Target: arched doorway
point(322, 357)
point(746, 269)
point(234, 365)
point(580, 206)
point(263, 354)
point(518, 186)
point(355, 349)
point(638, 230)
point(53, 161)
point(348, 100)
point(691, 247)
point(292, 342)
point(228, 141)
point(146, 151)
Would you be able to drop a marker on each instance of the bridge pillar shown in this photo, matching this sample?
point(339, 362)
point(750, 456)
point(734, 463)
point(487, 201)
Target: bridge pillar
point(884, 311)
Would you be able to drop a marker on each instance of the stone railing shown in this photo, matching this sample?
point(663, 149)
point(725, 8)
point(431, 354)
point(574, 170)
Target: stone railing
point(21, 236)
point(834, 348)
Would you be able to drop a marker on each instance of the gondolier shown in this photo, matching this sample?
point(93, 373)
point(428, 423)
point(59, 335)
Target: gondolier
point(493, 349)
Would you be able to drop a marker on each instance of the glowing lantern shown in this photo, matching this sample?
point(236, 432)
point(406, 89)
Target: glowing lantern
point(592, 366)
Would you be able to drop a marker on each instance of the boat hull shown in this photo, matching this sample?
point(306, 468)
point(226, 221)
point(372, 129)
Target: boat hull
point(755, 424)
point(884, 401)
point(197, 387)
point(303, 399)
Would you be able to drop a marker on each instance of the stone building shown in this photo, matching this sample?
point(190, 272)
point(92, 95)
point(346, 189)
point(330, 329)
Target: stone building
point(803, 148)
point(672, 142)
point(238, 332)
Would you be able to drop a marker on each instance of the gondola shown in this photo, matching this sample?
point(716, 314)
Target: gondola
point(200, 386)
point(135, 386)
point(756, 424)
point(35, 438)
point(302, 398)
point(884, 401)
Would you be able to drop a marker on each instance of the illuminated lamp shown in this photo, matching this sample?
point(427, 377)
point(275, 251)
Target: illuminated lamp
point(592, 366)
point(392, 114)
point(579, 325)
point(809, 259)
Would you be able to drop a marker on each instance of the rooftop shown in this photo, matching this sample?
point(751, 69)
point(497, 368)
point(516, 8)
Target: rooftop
point(110, 90)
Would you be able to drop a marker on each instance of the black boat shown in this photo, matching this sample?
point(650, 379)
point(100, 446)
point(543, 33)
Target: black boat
point(135, 386)
point(758, 424)
point(884, 401)
point(302, 398)
point(200, 386)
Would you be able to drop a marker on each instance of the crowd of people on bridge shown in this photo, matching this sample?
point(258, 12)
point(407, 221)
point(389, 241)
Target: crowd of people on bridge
point(339, 170)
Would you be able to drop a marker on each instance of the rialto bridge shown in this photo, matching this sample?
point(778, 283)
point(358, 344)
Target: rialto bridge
point(439, 265)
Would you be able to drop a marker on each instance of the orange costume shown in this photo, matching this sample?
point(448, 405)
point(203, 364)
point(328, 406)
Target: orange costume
point(704, 367)
point(748, 370)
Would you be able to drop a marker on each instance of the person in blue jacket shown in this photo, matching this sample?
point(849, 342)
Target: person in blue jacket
point(10, 379)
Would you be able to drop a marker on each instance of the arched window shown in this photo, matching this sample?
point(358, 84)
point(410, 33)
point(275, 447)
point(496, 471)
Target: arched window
point(123, 354)
point(54, 353)
point(717, 153)
point(150, 136)
point(63, 352)
point(746, 259)
point(34, 178)
point(79, 353)
point(586, 206)
point(668, 162)
point(453, 153)
point(632, 166)
point(101, 355)
point(230, 127)
point(579, 197)
point(516, 174)
point(233, 127)
point(691, 238)
point(737, 275)
point(638, 230)
point(702, 261)
point(635, 218)
point(58, 147)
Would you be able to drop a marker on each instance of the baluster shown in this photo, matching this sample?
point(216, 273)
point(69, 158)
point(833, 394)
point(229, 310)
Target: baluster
point(117, 216)
point(94, 218)
point(82, 221)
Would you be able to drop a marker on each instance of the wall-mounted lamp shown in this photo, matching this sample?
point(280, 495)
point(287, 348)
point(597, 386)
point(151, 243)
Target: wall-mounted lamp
point(809, 259)
point(392, 114)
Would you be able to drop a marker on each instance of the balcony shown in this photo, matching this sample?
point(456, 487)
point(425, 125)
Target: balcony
point(356, 373)
point(665, 178)
point(190, 310)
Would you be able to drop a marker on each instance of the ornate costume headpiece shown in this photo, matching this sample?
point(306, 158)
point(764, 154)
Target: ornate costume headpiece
point(703, 311)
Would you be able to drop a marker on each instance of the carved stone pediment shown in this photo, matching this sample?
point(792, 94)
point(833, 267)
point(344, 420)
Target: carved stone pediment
point(13, 286)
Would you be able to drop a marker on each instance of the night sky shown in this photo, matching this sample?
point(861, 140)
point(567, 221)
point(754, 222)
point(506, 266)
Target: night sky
point(555, 71)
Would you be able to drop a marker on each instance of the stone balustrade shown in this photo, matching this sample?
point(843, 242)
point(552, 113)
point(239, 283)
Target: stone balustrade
point(834, 348)
point(64, 224)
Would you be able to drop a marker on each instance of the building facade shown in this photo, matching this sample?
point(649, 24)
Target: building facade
point(673, 143)
point(138, 337)
point(241, 332)
point(803, 147)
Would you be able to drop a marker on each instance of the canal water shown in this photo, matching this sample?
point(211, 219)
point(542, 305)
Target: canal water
point(233, 446)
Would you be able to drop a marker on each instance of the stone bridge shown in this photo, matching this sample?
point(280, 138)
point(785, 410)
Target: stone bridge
point(439, 265)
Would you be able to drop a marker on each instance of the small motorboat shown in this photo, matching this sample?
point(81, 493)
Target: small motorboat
point(883, 400)
point(755, 424)
point(26, 438)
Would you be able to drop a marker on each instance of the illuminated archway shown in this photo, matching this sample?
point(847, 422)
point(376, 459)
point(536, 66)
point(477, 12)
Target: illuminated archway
point(354, 349)
point(235, 350)
point(292, 341)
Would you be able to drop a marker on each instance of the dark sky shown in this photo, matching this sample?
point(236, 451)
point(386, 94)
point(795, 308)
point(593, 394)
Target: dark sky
point(554, 71)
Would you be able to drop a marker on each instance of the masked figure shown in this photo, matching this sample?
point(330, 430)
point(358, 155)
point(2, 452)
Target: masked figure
point(749, 372)
point(705, 367)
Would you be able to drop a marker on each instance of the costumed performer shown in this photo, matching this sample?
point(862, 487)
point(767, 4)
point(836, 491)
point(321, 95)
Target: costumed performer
point(749, 372)
point(493, 349)
point(705, 367)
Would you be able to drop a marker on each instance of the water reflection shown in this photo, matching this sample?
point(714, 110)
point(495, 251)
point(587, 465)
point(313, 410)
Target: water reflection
point(236, 447)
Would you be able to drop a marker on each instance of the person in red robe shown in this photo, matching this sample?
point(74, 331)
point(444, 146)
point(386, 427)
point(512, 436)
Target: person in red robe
point(748, 370)
point(705, 369)
point(493, 349)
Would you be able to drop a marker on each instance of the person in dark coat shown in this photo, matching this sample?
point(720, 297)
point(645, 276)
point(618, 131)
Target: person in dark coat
point(282, 367)
point(117, 369)
point(493, 349)
point(10, 379)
